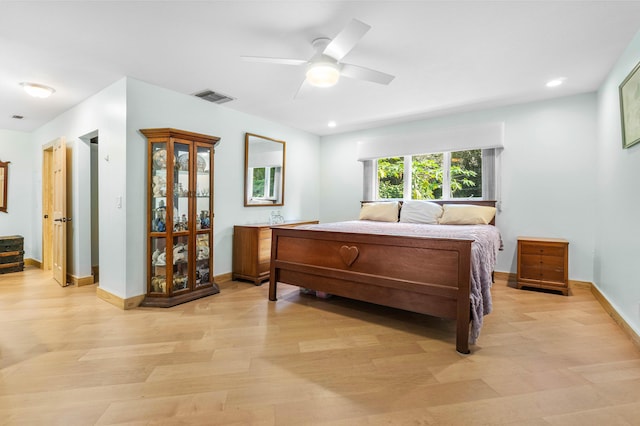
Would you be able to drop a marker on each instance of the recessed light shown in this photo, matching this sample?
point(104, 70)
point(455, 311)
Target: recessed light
point(332, 124)
point(37, 90)
point(555, 82)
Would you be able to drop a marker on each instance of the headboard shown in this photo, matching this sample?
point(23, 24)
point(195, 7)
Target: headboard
point(487, 203)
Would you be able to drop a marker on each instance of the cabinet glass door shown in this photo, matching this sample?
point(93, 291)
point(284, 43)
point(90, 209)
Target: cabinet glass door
point(203, 215)
point(158, 219)
point(181, 218)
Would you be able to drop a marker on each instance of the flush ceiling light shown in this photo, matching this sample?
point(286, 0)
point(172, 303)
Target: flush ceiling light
point(332, 124)
point(323, 74)
point(38, 90)
point(556, 82)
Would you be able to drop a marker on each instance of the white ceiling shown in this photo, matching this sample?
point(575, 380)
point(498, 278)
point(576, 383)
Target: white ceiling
point(446, 55)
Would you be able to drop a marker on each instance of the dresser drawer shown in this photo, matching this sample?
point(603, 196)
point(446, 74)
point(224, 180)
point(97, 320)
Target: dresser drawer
point(252, 251)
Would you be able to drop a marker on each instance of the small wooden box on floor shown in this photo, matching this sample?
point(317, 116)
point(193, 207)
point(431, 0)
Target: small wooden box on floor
point(252, 250)
point(11, 254)
point(543, 263)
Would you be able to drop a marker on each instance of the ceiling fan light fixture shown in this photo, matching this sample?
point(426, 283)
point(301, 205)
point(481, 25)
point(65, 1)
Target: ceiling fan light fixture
point(323, 74)
point(37, 90)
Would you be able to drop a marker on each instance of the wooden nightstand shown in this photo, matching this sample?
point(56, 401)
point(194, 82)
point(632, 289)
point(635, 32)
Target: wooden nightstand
point(543, 263)
point(252, 250)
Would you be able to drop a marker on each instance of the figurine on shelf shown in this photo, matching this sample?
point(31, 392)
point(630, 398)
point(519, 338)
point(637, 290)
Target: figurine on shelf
point(154, 257)
point(179, 253)
point(203, 252)
point(158, 284)
point(159, 187)
point(181, 224)
point(205, 222)
point(161, 260)
point(159, 221)
point(179, 282)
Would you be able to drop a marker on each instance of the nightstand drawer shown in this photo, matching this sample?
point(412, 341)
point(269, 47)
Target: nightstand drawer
point(541, 249)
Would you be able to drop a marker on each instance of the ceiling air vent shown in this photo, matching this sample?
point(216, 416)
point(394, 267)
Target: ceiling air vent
point(211, 96)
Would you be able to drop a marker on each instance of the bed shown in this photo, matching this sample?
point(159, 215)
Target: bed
point(436, 269)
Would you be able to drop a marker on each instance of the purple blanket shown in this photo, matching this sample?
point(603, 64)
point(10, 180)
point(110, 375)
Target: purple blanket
point(484, 252)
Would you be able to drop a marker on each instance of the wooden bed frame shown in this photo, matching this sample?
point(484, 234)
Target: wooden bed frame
point(425, 275)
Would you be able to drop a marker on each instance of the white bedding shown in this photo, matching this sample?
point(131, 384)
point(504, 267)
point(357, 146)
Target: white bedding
point(484, 252)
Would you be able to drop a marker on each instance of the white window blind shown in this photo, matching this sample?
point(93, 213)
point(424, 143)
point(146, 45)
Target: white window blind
point(479, 136)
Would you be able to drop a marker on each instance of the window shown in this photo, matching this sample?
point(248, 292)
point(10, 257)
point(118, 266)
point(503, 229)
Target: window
point(444, 175)
point(263, 182)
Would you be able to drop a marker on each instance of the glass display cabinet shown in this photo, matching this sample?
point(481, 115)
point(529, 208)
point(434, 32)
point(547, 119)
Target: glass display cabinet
point(179, 217)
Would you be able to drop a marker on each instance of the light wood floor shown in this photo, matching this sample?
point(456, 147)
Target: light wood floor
point(68, 358)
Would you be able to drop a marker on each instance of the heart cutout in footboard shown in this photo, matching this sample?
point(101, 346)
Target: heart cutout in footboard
point(349, 254)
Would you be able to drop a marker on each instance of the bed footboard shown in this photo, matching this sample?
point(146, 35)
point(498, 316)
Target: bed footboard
point(424, 275)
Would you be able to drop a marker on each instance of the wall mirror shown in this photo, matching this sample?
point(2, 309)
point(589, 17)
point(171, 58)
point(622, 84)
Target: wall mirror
point(4, 175)
point(263, 171)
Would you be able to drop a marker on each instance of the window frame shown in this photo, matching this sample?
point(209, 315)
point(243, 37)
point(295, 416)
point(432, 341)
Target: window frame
point(489, 176)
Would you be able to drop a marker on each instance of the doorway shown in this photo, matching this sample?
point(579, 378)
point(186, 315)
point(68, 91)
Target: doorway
point(54, 208)
point(95, 209)
point(80, 230)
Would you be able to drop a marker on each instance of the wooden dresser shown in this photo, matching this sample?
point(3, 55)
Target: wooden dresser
point(11, 254)
point(252, 250)
point(543, 263)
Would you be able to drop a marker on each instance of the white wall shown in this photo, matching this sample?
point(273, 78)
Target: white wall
point(617, 266)
point(150, 106)
point(16, 148)
point(547, 173)
point(104, 112)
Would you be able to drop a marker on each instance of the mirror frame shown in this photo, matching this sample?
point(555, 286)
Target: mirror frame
point(247, 180)
point(4, 179)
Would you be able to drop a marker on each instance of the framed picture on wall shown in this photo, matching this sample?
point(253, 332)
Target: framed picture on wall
point(630, 108)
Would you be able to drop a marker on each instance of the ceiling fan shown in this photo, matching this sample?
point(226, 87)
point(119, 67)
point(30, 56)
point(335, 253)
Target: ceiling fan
point(324, 69)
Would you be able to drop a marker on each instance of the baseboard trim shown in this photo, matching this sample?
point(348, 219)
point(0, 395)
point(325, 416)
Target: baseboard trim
point(222, 278)
point(609, 309)
point(32, 262)
point(79, 281)
point(504, 276)
point(117, 301)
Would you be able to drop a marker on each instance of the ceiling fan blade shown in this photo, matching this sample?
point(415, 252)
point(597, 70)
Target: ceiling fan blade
point(346, 39)
point(362, 73)
point(304, 88)
point(282, 61)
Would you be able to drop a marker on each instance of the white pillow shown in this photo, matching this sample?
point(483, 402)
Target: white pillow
point(466, 214)
point(419, 211)
point(381, 212)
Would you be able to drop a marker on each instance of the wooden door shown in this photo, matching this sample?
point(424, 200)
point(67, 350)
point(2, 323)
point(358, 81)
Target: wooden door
point(60, 212)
